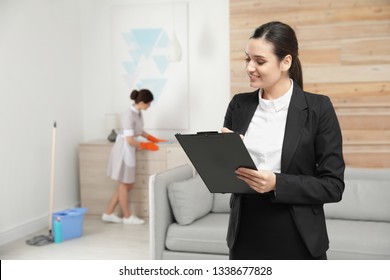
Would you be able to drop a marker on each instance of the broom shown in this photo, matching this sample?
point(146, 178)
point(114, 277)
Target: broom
point(48, 239)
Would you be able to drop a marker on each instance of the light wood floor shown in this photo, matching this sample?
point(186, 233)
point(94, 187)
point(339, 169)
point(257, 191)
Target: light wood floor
point(100, 241)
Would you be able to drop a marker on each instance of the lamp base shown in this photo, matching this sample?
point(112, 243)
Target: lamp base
point(112, 136)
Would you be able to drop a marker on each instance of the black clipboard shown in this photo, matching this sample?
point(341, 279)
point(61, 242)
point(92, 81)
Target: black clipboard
point(215, 157)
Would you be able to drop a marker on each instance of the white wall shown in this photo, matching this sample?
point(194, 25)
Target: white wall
point(55, 66)
point(40, 83)
point(209, 72)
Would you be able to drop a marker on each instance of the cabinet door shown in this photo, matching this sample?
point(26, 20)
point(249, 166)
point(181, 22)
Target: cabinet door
point(176, 156)
point(149, 167)
point(139, 195)
point(95, 187)
point(141, 181)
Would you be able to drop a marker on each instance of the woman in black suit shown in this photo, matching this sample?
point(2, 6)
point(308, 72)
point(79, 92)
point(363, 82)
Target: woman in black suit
point(295, 141)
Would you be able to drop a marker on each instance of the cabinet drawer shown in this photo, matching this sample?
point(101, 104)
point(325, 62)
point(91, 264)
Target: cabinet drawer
point(176, 156)
point(149, 167)
point(141, 181)
point(152, 155)
point(139, 195)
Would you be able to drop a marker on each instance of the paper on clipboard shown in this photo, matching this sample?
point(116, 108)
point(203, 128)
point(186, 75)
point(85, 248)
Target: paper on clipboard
point(216, 156)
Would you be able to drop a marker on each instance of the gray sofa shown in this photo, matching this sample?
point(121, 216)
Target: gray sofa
point(188, 222)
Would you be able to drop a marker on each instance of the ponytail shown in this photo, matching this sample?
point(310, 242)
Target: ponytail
point(134, 94)
point(296, 72)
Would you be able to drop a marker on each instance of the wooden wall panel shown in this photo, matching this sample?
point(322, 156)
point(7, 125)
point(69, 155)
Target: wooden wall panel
point(354, 94)
point(345, 53)
point(365, 51)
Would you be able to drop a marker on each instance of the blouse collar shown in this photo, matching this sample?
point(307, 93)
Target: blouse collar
point(132, 107)
point(276, 104)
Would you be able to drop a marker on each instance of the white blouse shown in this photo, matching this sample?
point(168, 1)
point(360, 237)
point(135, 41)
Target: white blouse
point(265, 134)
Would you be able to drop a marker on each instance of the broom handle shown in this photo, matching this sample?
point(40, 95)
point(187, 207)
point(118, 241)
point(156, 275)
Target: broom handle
point(52, 173)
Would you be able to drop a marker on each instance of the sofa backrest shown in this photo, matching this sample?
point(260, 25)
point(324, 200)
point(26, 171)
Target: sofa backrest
point(366, 196)
point(221, 203)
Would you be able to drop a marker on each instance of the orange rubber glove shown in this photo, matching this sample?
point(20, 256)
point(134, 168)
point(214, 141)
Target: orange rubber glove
point(155, 140)
point(148, 146)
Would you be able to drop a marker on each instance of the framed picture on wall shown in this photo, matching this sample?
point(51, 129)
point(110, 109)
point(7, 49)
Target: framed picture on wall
point(149, 45)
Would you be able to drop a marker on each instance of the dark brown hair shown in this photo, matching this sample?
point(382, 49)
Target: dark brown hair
point(143, 95)
point(285, 42)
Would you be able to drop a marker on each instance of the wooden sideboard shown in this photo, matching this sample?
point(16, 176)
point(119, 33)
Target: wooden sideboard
point(96, 188)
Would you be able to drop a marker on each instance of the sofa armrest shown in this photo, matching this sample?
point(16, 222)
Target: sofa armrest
point(160, 213)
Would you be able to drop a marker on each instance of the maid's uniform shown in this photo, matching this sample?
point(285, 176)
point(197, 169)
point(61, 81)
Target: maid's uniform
point(121, 164)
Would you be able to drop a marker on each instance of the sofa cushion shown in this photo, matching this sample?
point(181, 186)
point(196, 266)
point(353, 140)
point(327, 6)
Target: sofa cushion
point(190, 200)
point(221, 203)
point(358, 239)
point(206, 235)
point(363, 199)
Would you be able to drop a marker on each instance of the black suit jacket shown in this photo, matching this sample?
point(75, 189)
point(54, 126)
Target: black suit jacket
point(312, 165)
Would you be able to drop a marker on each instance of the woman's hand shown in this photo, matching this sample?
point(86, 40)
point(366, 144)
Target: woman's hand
point(154, 139)
point(261, 181)
point(227, 130)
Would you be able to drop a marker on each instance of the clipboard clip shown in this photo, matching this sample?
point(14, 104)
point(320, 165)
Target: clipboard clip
point(207, 132)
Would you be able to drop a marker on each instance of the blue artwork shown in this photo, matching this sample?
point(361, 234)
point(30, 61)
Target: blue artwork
point(150, 50)
point(147, 48)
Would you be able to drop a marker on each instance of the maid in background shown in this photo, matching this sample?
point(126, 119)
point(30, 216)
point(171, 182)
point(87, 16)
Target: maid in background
point(121, 165)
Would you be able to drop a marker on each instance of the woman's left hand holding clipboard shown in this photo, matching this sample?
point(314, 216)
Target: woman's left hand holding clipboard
point(261, 181)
